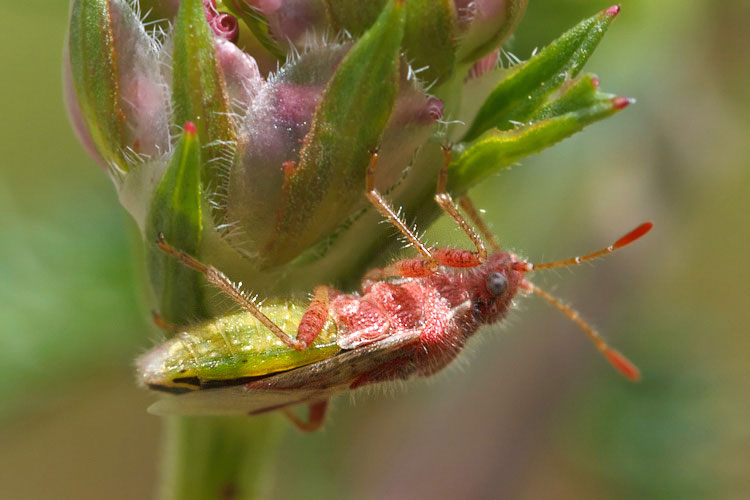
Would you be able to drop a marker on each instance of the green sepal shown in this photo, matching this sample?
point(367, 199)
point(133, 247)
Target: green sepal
point(258, 25)
point(199, 93)
point(176, 214)
point(93, 63)
point(501, 149)
point(516, 98)
point(429, 33)
point(354, 17)
point(348, 123)
point(429, 38)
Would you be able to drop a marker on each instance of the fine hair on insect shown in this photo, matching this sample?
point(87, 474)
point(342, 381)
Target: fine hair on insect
point(411, 318)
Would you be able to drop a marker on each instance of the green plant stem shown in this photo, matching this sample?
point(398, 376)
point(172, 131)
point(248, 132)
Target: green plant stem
point(218, 457)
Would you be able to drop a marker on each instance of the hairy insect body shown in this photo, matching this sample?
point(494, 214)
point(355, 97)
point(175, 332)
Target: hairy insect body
point(433, 315)
point(232, 347)
point(441, 311)
point(411, 318)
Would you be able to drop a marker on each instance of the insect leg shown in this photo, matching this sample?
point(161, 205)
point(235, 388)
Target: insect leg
point(444, 199)
point(473, 214)
point(315, 317)
point(219, 279)
point(315, 419)
point(421, 267)
point(163, 324)
point(387, 210)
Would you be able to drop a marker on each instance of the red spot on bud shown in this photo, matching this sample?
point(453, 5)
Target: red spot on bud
point(633, 235)
point(623, 365)
point(613, 11)
point(620, 102)
point(595, 82)
point(435, 108)
point(190, 128)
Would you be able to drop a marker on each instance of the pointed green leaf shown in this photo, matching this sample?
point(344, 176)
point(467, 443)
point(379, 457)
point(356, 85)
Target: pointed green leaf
point(93, 64)
point(176, 214)
point(503, 148)
point(258, 25)
point(517, 97)
point(347, 124)
point(580, 93)
point(199, 92)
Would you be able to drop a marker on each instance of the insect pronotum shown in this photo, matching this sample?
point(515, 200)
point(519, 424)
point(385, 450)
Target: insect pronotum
point(411, 318)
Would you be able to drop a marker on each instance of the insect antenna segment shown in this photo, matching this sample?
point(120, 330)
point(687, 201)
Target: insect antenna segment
point(619, 361)
point(623, 241)
point(616, 359)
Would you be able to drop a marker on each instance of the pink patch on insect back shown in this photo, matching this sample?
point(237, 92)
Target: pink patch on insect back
point(359, 322)
point(400, 303)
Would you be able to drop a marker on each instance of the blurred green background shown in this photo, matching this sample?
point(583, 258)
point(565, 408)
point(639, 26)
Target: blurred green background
point(531, 410)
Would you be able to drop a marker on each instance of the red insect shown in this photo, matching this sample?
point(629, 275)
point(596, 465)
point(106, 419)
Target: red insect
point(411, 318)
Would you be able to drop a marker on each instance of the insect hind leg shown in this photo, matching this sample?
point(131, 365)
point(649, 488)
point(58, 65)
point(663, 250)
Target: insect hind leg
point(310, 325)
point(316, 416)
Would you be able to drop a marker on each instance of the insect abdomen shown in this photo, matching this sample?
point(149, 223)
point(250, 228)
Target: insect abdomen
point(232, 347)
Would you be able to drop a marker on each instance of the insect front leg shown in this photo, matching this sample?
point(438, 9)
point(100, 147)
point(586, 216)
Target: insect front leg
point(431, 258)
point(443, 198)
point(312, 321)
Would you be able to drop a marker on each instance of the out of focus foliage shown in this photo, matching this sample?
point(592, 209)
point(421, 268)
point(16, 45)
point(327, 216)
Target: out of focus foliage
point(534, 413)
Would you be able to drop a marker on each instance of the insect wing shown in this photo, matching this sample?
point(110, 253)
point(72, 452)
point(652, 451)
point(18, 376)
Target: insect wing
point(314, 382)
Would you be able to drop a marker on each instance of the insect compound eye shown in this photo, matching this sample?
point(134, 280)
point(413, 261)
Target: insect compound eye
point(496, 284)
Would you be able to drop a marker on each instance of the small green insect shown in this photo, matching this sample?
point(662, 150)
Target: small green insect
point(411, 318)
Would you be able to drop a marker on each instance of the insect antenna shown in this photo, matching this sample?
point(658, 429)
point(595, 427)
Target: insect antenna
point(616, 359)
point(623, 241)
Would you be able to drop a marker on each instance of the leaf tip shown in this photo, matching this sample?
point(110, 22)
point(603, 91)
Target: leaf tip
point(190, 128)
point(619, 103)
point(613, 11)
